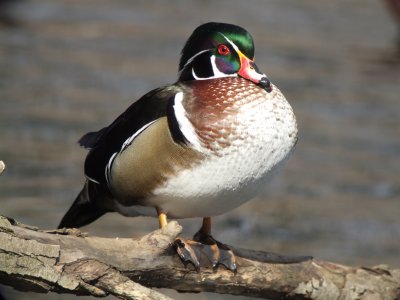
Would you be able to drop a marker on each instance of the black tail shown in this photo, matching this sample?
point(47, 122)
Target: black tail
point(84, 210)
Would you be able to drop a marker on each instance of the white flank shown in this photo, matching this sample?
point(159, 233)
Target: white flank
point(185, 125)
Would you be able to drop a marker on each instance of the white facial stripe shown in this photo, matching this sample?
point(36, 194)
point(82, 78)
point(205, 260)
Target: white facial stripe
point(192, 58)
point(236, 48)
point(196, 77)
point(230, 42)
point(185, 125)
point(216, 71)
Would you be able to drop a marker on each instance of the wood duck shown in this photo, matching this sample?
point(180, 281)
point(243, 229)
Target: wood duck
point(196, 148)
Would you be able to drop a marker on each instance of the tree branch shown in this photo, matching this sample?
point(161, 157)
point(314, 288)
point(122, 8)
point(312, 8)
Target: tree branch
point(68, 261)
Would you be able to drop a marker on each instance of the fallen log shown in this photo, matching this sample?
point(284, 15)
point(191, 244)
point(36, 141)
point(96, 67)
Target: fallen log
point(69, 261)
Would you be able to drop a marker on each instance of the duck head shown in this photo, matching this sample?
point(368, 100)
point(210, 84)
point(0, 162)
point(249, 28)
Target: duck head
point(217, 50)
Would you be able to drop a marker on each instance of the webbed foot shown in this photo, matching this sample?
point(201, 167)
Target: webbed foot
point(205, 246)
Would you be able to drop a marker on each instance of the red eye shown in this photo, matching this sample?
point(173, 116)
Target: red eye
point(223, 50)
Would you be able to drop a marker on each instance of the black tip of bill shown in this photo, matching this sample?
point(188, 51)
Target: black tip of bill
point(265, 84)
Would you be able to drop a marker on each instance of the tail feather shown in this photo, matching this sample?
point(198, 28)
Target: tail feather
point(83, 211)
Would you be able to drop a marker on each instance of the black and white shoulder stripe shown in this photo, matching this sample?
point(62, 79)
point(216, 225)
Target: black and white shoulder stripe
point(114, 138)
point(181, 128)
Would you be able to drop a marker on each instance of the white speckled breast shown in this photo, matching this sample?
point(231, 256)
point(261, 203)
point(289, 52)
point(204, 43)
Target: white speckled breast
point(245, 133)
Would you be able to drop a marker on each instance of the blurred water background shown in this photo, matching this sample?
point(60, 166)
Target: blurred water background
point(68, 67)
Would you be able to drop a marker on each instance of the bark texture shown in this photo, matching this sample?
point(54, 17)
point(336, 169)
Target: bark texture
point(68, 261)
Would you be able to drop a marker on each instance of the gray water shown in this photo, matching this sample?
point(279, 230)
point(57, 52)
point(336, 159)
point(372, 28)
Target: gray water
point(68, 67)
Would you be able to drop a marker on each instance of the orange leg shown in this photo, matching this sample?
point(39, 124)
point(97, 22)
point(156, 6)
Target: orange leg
point(162, 218)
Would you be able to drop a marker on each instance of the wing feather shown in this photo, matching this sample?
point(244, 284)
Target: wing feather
point(109, 140)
